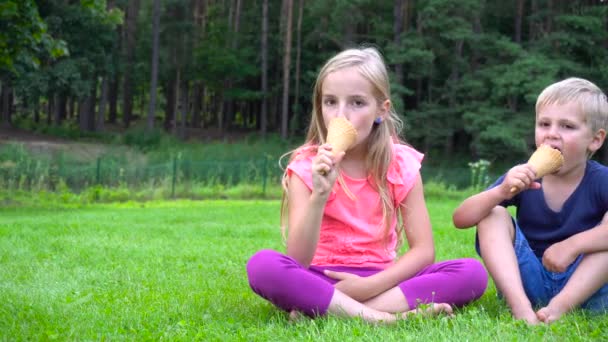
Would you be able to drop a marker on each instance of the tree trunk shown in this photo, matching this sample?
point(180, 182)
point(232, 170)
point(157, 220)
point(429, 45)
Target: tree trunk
point(37, 110)
point(200, 21)
point(533, 24)
point(5, 113)
point(154, 76)
point(87, 109)
point(264, 71)
point(183, 105)
point(297, 109)
point(286, 65)
point(234, 20)
point(113, 99)
point(170, 94)
point(103, 100)
point(130, 29)
point(519, 19)
point(60, 110)
point(397, 31)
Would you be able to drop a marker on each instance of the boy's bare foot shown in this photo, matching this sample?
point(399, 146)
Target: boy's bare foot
point(550, 314)
point(526, 314)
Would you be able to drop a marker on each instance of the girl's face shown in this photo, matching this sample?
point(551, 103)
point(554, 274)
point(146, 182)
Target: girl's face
point(564, 127)
point(345, 92)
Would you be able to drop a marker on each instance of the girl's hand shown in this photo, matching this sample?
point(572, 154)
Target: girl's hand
point(558, 257)
point(352, 285)
point(520, 177)
point(325, 170)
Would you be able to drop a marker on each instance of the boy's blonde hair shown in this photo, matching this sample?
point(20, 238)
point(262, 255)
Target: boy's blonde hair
point(589, 97)
point(369, 63)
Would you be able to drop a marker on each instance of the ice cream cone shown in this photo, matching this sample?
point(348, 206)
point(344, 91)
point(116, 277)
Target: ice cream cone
point(545, 160)
point(341, 135)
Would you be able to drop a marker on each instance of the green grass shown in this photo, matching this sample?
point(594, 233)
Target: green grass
point(176, 271)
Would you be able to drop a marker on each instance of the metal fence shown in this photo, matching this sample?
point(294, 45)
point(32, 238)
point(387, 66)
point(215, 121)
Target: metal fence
point(31, 174)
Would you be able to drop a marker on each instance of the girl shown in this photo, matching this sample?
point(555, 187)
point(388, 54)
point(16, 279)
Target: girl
point(343, 210)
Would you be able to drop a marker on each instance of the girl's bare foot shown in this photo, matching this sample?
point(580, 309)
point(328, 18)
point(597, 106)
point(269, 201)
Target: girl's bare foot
point(433, 309)
point(295, 316)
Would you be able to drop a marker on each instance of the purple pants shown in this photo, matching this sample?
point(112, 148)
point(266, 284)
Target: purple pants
point(290, 286)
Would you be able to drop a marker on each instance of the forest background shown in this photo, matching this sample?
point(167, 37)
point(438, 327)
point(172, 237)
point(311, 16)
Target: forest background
point(465, 74)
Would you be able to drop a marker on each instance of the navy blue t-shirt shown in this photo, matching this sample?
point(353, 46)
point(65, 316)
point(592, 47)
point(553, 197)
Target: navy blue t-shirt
point(583, 210)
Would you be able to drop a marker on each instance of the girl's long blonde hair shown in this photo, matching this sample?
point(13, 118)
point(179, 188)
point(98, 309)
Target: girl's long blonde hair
point(369, 63)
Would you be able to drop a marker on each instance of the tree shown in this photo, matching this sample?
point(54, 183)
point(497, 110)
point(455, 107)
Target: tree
point(286, 66)
point(129, 48)
point(24, 41)
point(154, 71)
point(264, 68)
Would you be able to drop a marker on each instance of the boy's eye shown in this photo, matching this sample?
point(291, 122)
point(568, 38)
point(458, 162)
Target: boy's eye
point(567, 126)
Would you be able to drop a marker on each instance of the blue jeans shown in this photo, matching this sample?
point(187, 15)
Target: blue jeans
point(540, 284)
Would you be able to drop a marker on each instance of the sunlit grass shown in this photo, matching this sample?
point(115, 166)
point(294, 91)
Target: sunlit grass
point(175, 270)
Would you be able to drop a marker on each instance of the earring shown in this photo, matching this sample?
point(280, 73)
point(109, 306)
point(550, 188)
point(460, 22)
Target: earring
point(378, 120)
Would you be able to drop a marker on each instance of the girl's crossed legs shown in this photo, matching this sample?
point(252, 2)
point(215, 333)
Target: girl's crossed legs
point(285, 283)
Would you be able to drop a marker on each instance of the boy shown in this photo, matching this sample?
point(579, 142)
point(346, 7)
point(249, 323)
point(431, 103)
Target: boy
point(554, 254)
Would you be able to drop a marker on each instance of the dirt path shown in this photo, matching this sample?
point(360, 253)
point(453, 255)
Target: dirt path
point(44, 144)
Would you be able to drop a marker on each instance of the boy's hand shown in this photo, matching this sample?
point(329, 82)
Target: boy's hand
point(558, 257)
point(520, 177)
point(324, 170)
point(351, 284)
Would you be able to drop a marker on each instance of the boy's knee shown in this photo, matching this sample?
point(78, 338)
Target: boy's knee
point(500, 219)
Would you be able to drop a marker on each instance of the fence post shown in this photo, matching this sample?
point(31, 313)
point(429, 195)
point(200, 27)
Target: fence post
point(264, 174)
point(98, 170)
point(174, 176)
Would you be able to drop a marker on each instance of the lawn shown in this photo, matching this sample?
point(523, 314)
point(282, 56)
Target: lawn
point(175, 270)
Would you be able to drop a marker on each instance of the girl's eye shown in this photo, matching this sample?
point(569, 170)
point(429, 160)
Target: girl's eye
point(358, 103)
point(328, 102)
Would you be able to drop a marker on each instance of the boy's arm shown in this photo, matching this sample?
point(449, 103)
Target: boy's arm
point(475, 208)
point(560, 255)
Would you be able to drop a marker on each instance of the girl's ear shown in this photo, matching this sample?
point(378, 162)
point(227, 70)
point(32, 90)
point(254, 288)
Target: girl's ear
point(384, 109)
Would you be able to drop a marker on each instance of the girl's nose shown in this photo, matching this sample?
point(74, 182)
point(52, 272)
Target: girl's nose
point(341, 110)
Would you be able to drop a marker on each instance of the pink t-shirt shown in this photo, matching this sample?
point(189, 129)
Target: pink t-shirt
point(352, 233)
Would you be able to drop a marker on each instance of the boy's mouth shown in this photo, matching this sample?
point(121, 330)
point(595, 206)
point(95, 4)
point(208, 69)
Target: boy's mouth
point(554, 147)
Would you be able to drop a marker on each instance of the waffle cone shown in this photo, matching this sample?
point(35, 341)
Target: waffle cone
point(546, 160)
point(341, 134)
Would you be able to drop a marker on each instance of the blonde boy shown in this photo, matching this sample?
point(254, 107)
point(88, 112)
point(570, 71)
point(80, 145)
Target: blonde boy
point(554, 254)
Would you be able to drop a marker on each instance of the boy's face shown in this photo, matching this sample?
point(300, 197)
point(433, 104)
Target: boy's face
point(564, 127)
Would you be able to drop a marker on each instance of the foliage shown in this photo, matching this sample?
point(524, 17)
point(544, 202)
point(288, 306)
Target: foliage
point(24, 37)
point(468, 85)
point(479, 174)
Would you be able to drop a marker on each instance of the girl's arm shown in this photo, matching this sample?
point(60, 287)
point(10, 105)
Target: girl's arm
point(305, 213)
point(306, 206)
